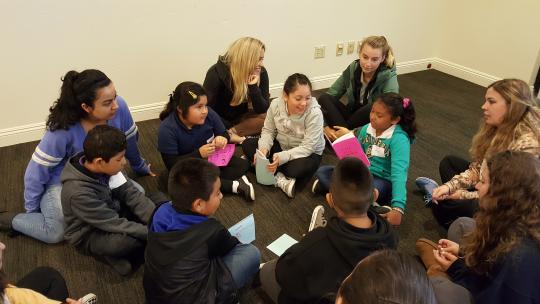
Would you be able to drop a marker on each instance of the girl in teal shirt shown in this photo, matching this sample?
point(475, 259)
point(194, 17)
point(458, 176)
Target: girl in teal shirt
point(386, 140)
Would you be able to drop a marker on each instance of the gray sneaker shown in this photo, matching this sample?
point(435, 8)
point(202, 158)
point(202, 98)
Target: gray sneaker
point(89, 299)
point(317, 218)
point(286, 184)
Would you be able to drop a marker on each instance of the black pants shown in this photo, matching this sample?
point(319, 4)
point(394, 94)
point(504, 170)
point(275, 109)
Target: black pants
point(99, 243)
point(448, 211)
point(233, 171)
point(337, 114)
point(47, 281)
point(302, 169)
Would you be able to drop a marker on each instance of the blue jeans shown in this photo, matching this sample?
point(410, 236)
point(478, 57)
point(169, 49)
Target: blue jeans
point(324, 174)
point(48, 225)
point(243, 263)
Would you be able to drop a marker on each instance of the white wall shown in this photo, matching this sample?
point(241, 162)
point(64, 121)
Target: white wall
point(496, 37)
point(148, 47)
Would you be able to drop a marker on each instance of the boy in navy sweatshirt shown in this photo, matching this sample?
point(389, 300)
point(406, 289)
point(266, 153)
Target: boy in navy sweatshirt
point(313, 269)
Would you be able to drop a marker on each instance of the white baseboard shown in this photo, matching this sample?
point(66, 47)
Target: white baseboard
point(454, 69)
point(413, 65)
point(21, 134)
point(31, 132)
point(147, 111)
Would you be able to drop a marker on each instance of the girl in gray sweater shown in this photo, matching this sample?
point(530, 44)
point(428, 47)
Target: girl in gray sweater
point(292, 136)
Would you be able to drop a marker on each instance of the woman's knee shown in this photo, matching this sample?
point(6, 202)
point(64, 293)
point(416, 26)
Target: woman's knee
point(325, 99)
point(54, 234)
point(461, 227)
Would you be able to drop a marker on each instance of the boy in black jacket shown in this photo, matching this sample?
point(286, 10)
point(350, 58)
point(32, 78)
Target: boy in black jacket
point(190, 257)
point(314, 268)
point(105, 213)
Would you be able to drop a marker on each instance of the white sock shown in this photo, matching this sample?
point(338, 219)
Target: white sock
point(235, 185)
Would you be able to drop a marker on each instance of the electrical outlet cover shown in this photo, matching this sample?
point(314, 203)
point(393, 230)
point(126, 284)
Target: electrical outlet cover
point(339, 49)
point(319, 52)
point(350, 47)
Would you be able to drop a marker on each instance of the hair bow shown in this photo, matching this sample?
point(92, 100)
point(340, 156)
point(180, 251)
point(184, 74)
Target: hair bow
point(406, 102)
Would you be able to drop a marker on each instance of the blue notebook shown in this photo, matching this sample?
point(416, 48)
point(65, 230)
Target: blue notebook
point(264, 177)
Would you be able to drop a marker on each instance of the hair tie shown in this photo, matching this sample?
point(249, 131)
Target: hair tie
point(406, 102)
point(192, 94)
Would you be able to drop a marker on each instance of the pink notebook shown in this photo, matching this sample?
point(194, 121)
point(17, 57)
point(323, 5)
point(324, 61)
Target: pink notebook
point(222, 157)
point(348, 146)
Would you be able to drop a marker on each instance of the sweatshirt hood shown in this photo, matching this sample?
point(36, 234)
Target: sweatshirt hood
point(75, 171)
point(380, 236)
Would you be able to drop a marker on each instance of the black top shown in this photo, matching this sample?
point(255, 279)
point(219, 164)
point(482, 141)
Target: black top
point(219, 91)
point(514, 279)
point(185, 266)
point(315, 267)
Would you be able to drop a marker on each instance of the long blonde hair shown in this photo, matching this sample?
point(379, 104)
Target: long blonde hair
point(493, 139)
point(380, 42)
point(242, 58)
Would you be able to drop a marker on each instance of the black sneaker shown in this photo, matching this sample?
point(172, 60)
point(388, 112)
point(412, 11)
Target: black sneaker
point(6, 218)
point(245, 188)
point(122, 266)
point(317, 188)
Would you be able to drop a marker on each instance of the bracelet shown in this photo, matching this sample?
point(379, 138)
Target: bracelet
point(399, 210)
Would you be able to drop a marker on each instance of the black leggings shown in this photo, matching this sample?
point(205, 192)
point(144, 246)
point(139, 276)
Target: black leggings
point(47, 281)
point(233, 171)
point(302, 169)
point(448, 211)
point(337, 114)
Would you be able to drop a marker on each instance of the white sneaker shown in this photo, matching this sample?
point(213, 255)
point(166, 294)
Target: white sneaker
point(317, 218)
point(89, 299)
point(286, 184)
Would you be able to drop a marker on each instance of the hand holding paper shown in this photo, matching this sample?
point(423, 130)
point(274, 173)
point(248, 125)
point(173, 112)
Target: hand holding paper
point(222, 157)
point(272, 167)
point(264, 177)
point(348, 146)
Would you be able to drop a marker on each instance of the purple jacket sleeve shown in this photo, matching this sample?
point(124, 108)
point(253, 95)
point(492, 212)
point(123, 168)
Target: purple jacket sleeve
point(45, 167)
point(124, 122)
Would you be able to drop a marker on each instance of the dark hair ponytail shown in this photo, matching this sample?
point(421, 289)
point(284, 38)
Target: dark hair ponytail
point(184, 96)
point(403, 108)
point(294, 81)
point(77, 88)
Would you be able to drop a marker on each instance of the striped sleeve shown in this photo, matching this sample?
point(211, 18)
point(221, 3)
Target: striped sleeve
point(124, 121)
point(45, 166)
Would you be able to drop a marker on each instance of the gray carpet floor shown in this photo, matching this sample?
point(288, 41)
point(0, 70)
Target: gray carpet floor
point(448, 115)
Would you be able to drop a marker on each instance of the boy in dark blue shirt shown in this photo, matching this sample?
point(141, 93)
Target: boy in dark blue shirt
point(190, 257)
